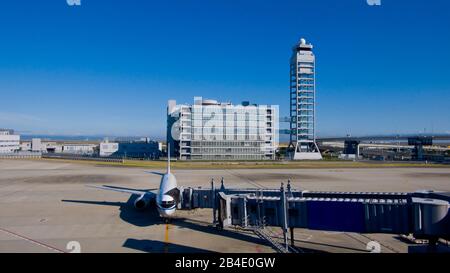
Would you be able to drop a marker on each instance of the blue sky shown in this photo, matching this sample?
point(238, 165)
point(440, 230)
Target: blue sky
point(109, 67)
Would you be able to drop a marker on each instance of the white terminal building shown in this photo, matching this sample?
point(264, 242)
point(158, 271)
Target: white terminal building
point(9, 142)
point(212, 130)
point(302, 102)
point(108, 148)
point(79, 148)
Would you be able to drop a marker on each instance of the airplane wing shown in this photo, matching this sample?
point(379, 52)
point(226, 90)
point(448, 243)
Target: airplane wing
point(157, 173)
point(130, 191)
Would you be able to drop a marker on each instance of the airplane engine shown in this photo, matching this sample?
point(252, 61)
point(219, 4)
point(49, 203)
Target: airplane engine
point(141, 202)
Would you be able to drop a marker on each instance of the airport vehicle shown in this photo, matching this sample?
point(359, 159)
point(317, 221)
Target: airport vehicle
point(166, 197)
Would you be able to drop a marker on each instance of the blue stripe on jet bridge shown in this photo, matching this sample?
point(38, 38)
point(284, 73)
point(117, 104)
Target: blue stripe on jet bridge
point(336, 216)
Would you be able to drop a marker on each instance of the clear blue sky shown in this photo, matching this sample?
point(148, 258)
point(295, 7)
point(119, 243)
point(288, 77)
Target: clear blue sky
point(109, 67)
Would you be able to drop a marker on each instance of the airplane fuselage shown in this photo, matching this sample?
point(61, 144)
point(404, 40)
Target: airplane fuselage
point(168, 195)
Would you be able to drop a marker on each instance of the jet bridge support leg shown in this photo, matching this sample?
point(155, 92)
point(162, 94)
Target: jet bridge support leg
point(284, 224)
point(214, 202)
point(292, 236)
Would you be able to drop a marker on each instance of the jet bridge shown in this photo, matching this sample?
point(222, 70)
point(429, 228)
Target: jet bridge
point(424, 214)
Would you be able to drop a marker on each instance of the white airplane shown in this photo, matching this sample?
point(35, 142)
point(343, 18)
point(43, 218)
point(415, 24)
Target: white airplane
point(167, 196)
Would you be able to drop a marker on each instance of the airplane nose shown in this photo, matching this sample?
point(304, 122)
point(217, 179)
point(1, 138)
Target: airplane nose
point(166, 213)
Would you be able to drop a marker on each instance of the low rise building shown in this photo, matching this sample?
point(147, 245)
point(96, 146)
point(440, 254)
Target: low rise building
point(9, 142)
point(108, 148)
point(79, 149)
point(131, 148)
point(51, 147)
point(36, 145)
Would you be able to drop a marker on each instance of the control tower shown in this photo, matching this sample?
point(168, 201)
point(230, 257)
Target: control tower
point(302, 103)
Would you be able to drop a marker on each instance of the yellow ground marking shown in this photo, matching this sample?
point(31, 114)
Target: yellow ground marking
point(166, 239)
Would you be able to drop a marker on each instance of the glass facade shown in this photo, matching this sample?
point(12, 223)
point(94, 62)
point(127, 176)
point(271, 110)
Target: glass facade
point(209, 130)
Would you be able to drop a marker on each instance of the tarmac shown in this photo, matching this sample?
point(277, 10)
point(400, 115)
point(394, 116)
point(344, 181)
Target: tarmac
point(45, 207)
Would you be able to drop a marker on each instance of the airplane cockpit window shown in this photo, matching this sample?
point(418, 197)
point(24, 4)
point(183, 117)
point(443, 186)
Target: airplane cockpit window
point(167, 204)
